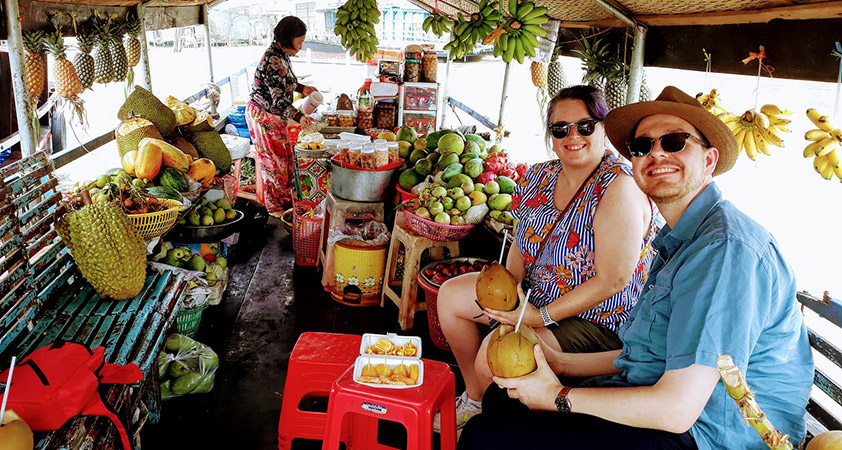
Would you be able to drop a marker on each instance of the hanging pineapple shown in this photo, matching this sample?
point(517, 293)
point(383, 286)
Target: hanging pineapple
point(103, 64)
point(555, 76)
point(66, 80)
point(539, 73)
point(83, 61)
point(35, 63)
point(118, 52)
point(606, 71)
point(132, 42)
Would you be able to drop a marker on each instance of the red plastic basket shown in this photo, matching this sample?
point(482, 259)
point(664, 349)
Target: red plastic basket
point(305, 234)
point(435, 231)
point(405, 195)
point(431, 295)
point(292, 132)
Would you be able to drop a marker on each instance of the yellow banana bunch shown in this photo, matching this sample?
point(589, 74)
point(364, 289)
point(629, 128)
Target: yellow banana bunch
point(752, 132)
point(437, 24)
point(468, 31)
point(355, 22)
point(825, 146)
point(711, 102)
point(522, 31)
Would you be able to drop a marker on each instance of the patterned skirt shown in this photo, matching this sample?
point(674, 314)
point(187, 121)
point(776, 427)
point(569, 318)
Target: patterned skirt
point(275, 159)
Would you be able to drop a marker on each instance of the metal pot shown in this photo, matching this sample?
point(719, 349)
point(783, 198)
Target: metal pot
point(191, 233)
point(360, 185)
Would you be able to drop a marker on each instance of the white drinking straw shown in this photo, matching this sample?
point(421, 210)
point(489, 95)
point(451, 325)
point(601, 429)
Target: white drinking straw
point(8, 388)
point(523, 310)
point(503, 249)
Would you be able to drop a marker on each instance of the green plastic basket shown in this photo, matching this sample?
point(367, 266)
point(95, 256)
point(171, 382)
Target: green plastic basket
point(188, 320)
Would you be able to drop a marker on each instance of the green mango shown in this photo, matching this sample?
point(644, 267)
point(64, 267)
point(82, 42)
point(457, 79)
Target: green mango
point(433, 139)
point(507, 185)
point(474, 168)
point(166, 390)
point(480, 142)
point(458, 180)
point(424, 167)
point(467, 157)
point(446, 160)
point(434, 157)
point(178, 369)
point(196, 263)
point(205, 386)
point(416, 155)
point(451, 171)
point(219, 216)
point(472, 147)
point(208, 360)
point(409, 178)
point(179, 342)
point(187, 383)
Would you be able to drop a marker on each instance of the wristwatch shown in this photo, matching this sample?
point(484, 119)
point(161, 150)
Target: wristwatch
point(562, 403)
point(545, 315)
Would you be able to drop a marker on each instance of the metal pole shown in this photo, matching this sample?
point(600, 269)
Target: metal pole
point(445, 97)
point(145, 75)
point(613, 10)
point(206, 29)
point(636, 74)
point(24, 105)
point(505, 95)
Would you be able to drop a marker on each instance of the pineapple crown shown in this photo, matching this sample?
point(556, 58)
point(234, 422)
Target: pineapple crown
point(101, 29)
point(133, 27)
point(33, 41)
point(55, 44)
point(600, 62)
point(117, 30)
point(84, 37)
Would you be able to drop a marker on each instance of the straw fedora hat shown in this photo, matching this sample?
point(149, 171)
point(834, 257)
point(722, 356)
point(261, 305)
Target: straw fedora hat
point(620, 122)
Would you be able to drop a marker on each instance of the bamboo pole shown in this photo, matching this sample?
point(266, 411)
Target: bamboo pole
point(737, 387)
point(206, 30)
point(504, 96)
point(145, 72)
point(24, 105)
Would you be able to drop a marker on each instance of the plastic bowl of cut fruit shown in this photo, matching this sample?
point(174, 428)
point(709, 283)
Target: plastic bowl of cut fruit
point(437, 272)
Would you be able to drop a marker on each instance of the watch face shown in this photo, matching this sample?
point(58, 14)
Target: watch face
point(562, 405)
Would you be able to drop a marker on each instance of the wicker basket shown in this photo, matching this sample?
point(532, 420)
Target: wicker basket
point(435, 231)
point(154, 224)
point(188, 320)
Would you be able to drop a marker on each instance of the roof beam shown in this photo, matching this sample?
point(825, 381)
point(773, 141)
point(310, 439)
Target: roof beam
point(827, 10)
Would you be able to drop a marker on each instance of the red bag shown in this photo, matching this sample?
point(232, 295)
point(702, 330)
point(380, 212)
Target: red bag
point(60, 381)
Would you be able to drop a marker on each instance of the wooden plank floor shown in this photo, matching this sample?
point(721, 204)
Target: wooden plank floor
point(269, 303)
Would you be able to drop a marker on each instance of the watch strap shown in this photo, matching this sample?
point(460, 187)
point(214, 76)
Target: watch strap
point(545, 316)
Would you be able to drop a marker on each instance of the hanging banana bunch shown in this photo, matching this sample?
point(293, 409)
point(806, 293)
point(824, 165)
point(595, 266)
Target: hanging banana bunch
point(355, 22)
point(522, 31)
point(825, 146)
point(711, 102)
point(754, 131)
point(437, 24)
point(467, 32)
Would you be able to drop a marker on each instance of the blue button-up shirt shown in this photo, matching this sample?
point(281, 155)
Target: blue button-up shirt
point(719, 285)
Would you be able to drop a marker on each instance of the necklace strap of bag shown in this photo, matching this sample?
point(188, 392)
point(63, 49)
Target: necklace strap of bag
point(558, 218)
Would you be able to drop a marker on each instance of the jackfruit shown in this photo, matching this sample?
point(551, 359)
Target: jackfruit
point(131, 131)
point(202, 122)
point(184, 113)
point(107, 249)
point(142, 103)
point(211, 146)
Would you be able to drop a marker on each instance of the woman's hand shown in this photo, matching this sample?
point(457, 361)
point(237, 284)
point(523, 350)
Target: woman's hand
point(307, 122)
point(536, 390)
point(307, 90)
point(531, 317)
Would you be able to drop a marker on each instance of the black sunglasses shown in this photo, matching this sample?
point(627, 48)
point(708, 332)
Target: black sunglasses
point(670, 142)
point(586, 127)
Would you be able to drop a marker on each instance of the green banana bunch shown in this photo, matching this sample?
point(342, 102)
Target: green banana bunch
point(437, 24)
point(522, 31)
point(355, 22)
point(466, 33)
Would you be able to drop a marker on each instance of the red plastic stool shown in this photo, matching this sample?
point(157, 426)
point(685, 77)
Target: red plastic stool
point(317, 360)
point(415, 408)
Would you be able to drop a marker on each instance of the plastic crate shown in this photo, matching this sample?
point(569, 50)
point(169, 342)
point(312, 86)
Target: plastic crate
point(305, 234)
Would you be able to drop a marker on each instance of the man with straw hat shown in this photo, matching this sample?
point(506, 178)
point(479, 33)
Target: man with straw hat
point(718, 285)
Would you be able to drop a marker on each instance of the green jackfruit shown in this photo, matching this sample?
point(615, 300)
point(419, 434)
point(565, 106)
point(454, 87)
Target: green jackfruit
point(210, 145)
point(107, 249)
point(142, 103)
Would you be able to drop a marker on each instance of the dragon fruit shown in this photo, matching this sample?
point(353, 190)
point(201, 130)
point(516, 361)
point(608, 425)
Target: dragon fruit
point(485, 177)
point(496, 162)
point(510, 172)
point(521, 168)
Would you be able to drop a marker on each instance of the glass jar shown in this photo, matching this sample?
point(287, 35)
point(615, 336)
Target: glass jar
point(345, 118)
point(331, 118)
point(354, 154)
point(394, 151)
point(412, 70)
point(367, 158)
point(386, 115)
point(429, 65)
point(381, 155)
point(365, 119)
point(380, 141)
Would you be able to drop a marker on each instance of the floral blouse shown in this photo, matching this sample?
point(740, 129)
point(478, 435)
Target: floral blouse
point(568, 259)
point(275, 84)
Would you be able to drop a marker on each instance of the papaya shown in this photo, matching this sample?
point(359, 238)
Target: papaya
point(202, 171)
point(148, 161)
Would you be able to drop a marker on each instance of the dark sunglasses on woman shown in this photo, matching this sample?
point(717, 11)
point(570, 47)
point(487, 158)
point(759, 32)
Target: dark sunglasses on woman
point(670, 143)
point(586, 127)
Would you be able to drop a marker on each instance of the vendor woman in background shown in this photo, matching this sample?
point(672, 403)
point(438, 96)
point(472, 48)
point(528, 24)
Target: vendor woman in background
point(586, 262)
point(271, 108)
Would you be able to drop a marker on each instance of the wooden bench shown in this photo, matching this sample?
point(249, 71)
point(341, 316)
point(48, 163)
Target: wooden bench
point(43, 298)
point(820, 418)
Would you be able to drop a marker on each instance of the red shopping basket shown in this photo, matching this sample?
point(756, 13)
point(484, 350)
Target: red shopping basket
point(431, 294)
point(306, 230)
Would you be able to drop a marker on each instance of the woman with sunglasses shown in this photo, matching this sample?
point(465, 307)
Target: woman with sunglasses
point(581, 246)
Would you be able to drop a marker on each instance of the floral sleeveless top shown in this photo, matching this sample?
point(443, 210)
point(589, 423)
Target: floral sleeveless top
point(568, 258)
